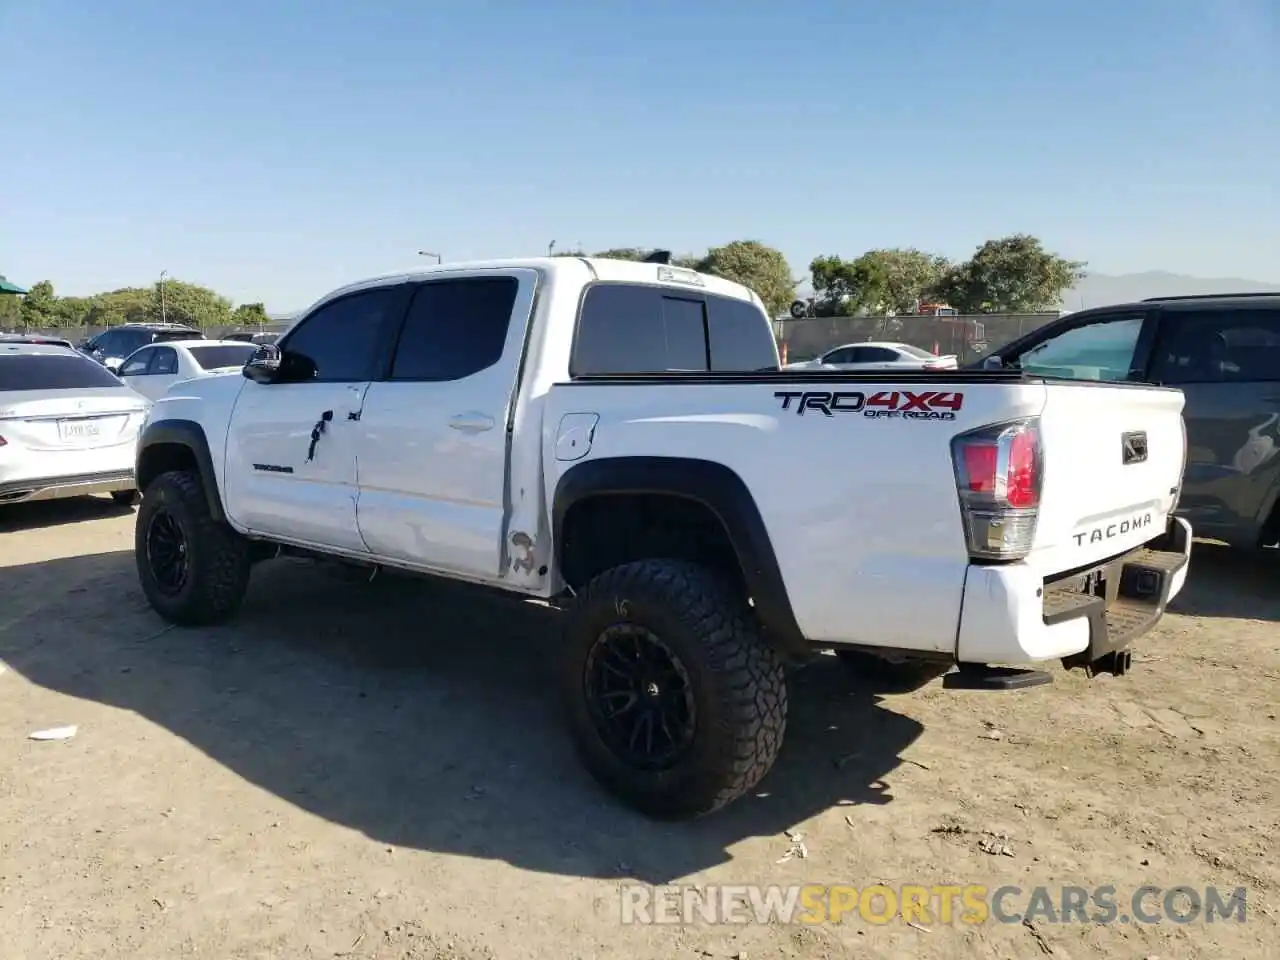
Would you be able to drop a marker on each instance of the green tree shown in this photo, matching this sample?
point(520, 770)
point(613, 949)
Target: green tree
point(906, 277)
point(126, 305)
point(190, 304)
point(845, 288)
point(250, 315)
point(623, 253)
point(10, 311)
point(756, 266)
point(40, 306)
point(73, 311)
point(1013, 274)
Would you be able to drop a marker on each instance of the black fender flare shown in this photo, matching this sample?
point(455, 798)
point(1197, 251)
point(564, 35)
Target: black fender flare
point(182, 433)
point(714, 486)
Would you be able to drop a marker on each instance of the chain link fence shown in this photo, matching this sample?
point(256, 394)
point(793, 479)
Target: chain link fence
point(969, 336)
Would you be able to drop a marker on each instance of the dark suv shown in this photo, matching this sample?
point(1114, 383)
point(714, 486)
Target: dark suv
point(112, 346)
point(1223, 352)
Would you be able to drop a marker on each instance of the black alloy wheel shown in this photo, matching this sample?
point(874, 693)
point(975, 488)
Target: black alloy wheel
point(640, 697)
point(168, 553)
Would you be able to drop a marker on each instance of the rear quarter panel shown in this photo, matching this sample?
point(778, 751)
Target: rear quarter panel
point(862, 510)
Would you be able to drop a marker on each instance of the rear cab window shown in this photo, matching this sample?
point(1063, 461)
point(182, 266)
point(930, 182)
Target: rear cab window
point(639, 328)
point(53, 371)
point(225, 355)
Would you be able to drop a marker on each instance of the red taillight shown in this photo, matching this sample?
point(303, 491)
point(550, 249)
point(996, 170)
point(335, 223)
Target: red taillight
point(1023, 483)
point(3, 441)
point(980, 461)
point(998, 476)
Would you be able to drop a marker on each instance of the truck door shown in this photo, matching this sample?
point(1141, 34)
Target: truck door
point(291, 444)
point(434, 433)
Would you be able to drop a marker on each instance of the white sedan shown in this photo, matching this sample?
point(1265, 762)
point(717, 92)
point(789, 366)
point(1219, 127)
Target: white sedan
point(877, 356)
point(68, 426)
point(153, 369)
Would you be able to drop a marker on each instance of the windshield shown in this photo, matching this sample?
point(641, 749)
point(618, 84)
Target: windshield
point(223, 355)
point(53, 372)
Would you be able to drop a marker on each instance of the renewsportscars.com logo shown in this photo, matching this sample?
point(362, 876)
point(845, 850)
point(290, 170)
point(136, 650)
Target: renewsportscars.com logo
point(969, 904)
point(887, 404)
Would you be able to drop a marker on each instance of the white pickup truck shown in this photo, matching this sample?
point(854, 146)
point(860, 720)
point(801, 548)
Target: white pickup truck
point(617, 439)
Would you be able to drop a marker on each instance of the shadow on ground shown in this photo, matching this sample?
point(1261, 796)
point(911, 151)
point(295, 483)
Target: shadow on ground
point(16, 517)
point(1227, 582)
point(418, 713)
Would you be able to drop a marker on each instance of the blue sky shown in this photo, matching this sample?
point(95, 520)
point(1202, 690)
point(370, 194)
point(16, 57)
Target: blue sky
point(276, 149)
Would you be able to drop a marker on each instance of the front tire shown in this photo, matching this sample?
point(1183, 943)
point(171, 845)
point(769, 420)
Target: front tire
point(194, 569)
point(125, 498)
point(675, 703)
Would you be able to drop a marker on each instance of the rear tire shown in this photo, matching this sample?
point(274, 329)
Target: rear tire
point(126, 498)
point(194, 569)
point(714, 693)
point(892, 676)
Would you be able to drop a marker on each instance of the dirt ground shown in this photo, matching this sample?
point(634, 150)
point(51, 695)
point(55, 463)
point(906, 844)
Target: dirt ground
point(378, 770)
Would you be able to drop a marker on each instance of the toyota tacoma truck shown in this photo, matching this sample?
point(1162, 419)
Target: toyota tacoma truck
point(617, 440)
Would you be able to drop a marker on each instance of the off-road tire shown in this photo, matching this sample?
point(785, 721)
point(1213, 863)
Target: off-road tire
point(737, 682)
point(219, 557)
point(126, 498)
point(892, 676)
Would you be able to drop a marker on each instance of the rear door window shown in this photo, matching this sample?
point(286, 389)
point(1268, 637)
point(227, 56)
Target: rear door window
point(136, 365)
point(879, 355)
point(212, 358)
point(53, 372)
point(1219, 346)
point(164, 363)
point(633, 328)
point(455, 328)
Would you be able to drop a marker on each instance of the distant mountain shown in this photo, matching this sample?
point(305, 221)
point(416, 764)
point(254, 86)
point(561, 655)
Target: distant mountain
point(1100, 289)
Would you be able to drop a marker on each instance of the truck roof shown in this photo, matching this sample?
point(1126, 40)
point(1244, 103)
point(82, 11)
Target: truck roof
point(586, 269)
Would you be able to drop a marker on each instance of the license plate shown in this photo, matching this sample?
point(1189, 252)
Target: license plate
point(71, 430)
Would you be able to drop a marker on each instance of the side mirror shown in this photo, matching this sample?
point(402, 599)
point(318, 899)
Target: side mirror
point(264, 365)
point(114, 366)
point(993, 362)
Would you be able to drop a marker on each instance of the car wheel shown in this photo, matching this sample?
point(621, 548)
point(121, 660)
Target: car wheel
point(676, 704)
point(194, 569)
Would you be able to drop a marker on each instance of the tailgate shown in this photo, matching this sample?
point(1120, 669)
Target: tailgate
point(1113, 462)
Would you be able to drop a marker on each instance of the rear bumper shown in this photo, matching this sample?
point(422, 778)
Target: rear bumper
point(1012, 615)
point(56, 488)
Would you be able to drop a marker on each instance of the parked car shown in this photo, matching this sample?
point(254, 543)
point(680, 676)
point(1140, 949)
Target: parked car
point(111, 346)
point(1223, 353)
point(68, 427)
point(34, 338)
point(154, 369)
point(616, 439)
point(877, 356)
point(250, 337)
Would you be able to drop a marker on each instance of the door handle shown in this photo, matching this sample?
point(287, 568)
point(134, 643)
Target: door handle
point(471, 422)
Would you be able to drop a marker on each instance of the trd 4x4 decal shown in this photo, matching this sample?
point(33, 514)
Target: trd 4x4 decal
point(887, 404)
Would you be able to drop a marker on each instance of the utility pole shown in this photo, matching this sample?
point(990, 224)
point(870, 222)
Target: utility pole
point(428, 253)
point(163, 310)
